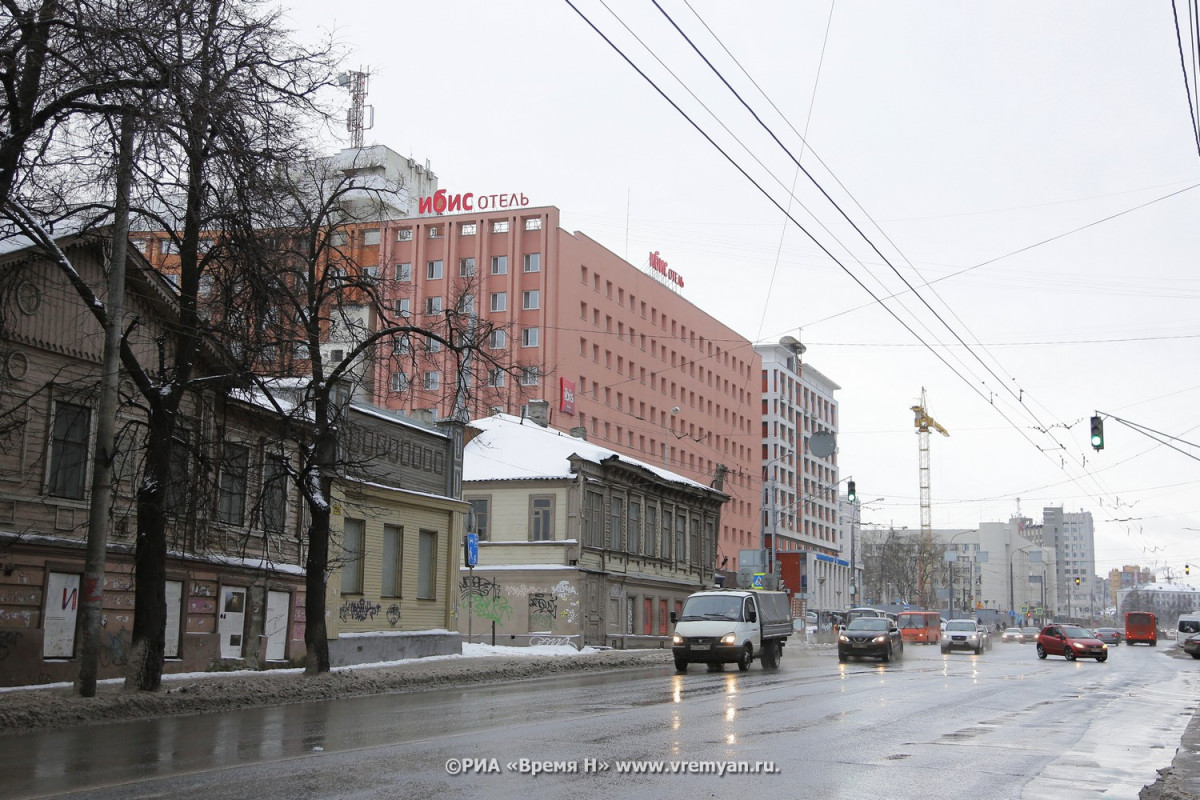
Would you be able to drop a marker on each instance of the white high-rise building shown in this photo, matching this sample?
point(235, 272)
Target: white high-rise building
point(806, 522)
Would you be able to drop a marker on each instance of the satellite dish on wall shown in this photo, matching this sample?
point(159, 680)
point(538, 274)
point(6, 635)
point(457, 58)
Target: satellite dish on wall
point(822, 444)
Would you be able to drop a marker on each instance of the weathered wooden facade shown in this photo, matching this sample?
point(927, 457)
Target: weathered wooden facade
point(579, 544)
point(234, 577)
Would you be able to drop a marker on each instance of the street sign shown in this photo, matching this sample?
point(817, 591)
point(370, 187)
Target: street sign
point(758, 580)
point(472, 549)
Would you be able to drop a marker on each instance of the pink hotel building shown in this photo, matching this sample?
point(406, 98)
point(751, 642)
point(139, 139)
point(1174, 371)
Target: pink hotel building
point(621, 353)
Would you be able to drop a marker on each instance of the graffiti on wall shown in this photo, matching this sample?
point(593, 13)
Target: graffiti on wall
point(549, 607)
point(484, 598)
point(360, 610)
point(393, 614)
point(543, 610)
point(114, 650)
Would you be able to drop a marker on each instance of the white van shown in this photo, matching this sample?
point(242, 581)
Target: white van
point(1185, 627)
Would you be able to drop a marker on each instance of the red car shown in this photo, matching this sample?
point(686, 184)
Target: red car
point(1071, 642)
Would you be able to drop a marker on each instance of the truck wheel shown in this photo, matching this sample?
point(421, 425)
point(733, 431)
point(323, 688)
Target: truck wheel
point(680, 664)
point(770, 655)
point(747, 656)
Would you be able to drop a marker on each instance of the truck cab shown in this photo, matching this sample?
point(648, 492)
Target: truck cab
point(727, 626)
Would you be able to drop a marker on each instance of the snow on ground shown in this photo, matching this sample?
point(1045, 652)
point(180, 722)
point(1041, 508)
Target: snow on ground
point(58, 706)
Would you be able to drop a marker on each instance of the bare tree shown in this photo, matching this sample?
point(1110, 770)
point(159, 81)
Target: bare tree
point(222, 99)
point(315, 329)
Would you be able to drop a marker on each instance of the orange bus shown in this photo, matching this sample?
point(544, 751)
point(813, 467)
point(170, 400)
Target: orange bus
point(1140, 626)
point(920, 626)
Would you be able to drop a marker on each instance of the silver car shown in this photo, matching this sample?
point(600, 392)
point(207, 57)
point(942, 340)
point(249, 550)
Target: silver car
point(962, 634)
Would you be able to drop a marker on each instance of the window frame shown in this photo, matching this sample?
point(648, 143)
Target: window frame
point(541, 517)
point(352, 559)
point(67, 472)
point(481, 509)
point(396, 572)
point(233, 483)
point(274, 494)
point(427, 551)
point(532, 262)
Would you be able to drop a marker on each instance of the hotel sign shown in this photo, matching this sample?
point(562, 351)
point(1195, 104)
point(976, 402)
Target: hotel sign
point(440, 202)
point(660, 266)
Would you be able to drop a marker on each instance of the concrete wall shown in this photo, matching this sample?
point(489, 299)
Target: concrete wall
point(369, 648)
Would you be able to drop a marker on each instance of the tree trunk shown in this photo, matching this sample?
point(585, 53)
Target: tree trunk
point(316, 638)
point(150, 559)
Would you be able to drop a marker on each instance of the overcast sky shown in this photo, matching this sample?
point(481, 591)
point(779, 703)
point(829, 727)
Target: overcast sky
point(1030, 168)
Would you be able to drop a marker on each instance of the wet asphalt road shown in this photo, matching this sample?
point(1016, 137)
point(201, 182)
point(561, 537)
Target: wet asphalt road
point(1000, 725)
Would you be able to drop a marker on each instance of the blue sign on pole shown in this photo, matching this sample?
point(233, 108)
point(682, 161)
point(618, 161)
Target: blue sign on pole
point(472, 549)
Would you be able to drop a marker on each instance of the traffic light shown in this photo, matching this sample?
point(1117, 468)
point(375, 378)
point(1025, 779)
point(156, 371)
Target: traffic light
point(1187, 569)
point(1097, 433)
point(1077, 581)
point(851, 493)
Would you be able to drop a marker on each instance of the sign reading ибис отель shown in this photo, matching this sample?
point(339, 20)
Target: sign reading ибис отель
point(659, 266)
point(441, 202)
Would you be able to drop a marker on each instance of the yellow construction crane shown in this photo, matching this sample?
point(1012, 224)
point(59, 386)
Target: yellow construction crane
point(924, 422)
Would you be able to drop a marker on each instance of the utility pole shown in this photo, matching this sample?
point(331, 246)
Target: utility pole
point(92, 605)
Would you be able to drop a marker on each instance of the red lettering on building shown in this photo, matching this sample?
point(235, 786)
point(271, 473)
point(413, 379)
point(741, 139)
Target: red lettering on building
point(566, 402)
point(660, 266)
point(440, 202)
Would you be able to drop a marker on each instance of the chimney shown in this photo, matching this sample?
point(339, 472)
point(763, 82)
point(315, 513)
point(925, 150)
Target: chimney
point(537, 411)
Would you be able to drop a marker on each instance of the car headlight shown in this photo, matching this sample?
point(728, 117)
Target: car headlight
point(677, 639)
point(880, 639)
point(973, 636)
point(729, 638)
point(843, 638)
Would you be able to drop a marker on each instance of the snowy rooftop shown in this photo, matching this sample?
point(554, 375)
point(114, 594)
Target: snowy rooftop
point(509, 449)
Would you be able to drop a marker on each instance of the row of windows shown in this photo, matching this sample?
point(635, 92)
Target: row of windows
point(435, 268)
point(431, 380)
point(391, 560)
point(540, 518)
point(660, 319)
point(68, 468)
point(668, 533)
point(692, 367)
point(468, 229)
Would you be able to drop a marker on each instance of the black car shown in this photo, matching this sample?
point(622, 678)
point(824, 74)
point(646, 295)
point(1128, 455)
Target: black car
point(1191, 645)
point(874, 637)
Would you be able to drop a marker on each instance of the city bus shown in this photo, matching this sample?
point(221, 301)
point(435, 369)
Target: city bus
point(924, 627)
point(1141, 626)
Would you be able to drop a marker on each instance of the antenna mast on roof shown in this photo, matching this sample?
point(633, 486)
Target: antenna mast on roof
point(361, 116)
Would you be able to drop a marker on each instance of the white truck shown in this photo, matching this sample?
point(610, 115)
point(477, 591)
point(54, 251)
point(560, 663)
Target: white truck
point(731, 626)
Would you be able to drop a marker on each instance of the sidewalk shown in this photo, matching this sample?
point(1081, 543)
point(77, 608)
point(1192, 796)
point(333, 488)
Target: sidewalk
point(58, 706)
